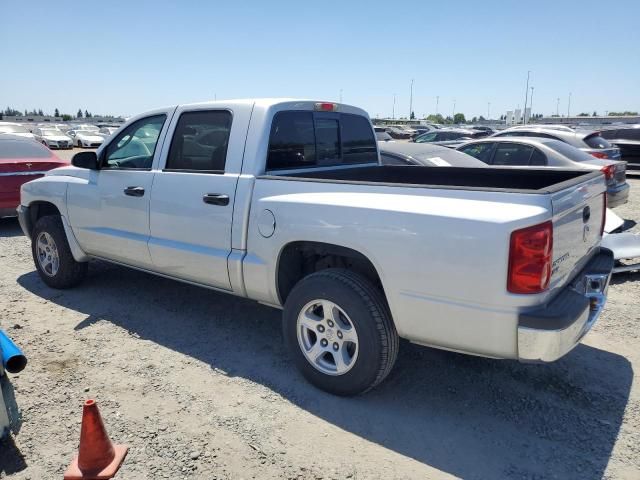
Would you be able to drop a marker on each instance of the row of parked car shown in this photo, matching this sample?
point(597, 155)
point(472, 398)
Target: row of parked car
point(62, 135)
point(530, 146)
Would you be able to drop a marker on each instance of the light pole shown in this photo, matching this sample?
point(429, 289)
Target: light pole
point(437, 102)
point(453, 114)
point(569, 105)
point(488, 110)
point(411, 100)
point(526, 98)
point(393, 111)
point(531, 103)
point(558, 108)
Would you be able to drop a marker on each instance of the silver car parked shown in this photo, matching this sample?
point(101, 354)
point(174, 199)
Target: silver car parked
point(543, 152)
point(589, 141)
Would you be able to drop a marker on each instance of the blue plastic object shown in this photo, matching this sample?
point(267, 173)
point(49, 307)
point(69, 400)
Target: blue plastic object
point(13, 359)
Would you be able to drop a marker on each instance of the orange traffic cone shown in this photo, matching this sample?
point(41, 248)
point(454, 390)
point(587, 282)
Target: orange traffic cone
point(97, 458)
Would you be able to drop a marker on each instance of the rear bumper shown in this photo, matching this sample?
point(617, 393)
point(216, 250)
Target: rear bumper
point(617, 195)
point(550, 332)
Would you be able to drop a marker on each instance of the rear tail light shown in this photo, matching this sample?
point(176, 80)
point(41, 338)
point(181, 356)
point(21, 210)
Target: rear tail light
point(530, 259)
point(604, 213)
point(609, 171)
point(599, 154)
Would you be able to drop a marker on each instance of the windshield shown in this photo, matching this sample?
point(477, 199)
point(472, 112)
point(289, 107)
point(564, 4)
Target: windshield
point(51, 132)
point(85, 132)
point(383, 136)
point(13, 129)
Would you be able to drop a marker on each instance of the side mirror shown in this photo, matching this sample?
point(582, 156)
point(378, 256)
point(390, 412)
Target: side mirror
point(85, 160)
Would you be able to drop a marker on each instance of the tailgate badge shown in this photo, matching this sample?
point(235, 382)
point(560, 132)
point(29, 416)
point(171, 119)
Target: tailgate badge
point(585, 233)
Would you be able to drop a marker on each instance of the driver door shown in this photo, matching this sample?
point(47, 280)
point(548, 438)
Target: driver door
point(109, 213)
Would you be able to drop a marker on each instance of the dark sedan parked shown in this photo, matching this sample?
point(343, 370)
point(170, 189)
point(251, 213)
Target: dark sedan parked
point(425, 154)
point(627, 139)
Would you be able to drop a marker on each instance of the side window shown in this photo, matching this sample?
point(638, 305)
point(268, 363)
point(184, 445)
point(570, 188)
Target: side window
point(200, 142)
point(427, 137)
point(292, 143)
point(388, 159)
point(538, 159)
point(135, 146)
point(358, 142)
point(512, 154)
point(628, 134)
point(481, 151)
point(611, 134)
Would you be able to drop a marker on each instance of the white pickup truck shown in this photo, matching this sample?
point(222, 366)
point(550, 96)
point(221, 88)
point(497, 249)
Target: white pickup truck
point(285, 202)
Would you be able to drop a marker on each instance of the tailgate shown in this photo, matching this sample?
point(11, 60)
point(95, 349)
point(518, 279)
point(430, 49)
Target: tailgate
point(577, 220)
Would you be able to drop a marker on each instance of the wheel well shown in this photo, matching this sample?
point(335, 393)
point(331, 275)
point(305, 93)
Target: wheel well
point(38, 210)
point(299, 259)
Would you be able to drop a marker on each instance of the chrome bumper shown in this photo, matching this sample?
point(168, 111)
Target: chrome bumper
point(548, 333)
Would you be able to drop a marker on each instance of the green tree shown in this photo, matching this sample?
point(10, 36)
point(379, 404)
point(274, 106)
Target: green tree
point(56, 113)
point(40, 112)
point(435, 118)
point(459, 118)
point(86, 114)
point(474, 119)
point(595, 114)
point(79, 114)
point(412, 116)
point(481, 118)
point(66, 117)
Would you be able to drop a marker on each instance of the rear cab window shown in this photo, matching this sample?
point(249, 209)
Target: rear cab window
point(301, 139)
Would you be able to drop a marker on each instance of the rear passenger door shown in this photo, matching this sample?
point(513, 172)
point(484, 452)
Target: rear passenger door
point(193, 193)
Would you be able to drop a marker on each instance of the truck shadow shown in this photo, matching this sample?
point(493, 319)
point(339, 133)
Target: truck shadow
point(470, 417)
point(11, 459)
point(9, 227)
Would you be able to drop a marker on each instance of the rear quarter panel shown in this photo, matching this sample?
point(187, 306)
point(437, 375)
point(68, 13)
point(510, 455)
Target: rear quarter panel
point(442, 255)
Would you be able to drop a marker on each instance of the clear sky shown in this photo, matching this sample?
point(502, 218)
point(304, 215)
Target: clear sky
point(124, 57)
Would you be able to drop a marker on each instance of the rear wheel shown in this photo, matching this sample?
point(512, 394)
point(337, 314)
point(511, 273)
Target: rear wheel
point(52, 255)
point(339, 329)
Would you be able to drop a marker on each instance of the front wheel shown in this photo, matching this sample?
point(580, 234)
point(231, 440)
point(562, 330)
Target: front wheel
point(52, 255)
point(339, 329)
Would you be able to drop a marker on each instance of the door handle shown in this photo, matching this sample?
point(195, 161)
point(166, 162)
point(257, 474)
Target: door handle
point(216, 199)
point(134, 191)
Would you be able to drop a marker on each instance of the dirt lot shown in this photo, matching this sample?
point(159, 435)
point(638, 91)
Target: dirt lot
point(200, 386)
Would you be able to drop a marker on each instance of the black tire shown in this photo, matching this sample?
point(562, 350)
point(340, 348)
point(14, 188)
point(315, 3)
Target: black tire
point(367, 309)
point(69, 272)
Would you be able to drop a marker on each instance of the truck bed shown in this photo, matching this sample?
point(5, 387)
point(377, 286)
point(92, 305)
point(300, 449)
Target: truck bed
point(494, 179)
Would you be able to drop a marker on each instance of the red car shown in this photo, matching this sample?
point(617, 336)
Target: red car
point(21, 160)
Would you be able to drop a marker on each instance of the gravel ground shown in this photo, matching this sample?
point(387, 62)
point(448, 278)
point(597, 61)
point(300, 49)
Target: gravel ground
point(199, 385)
